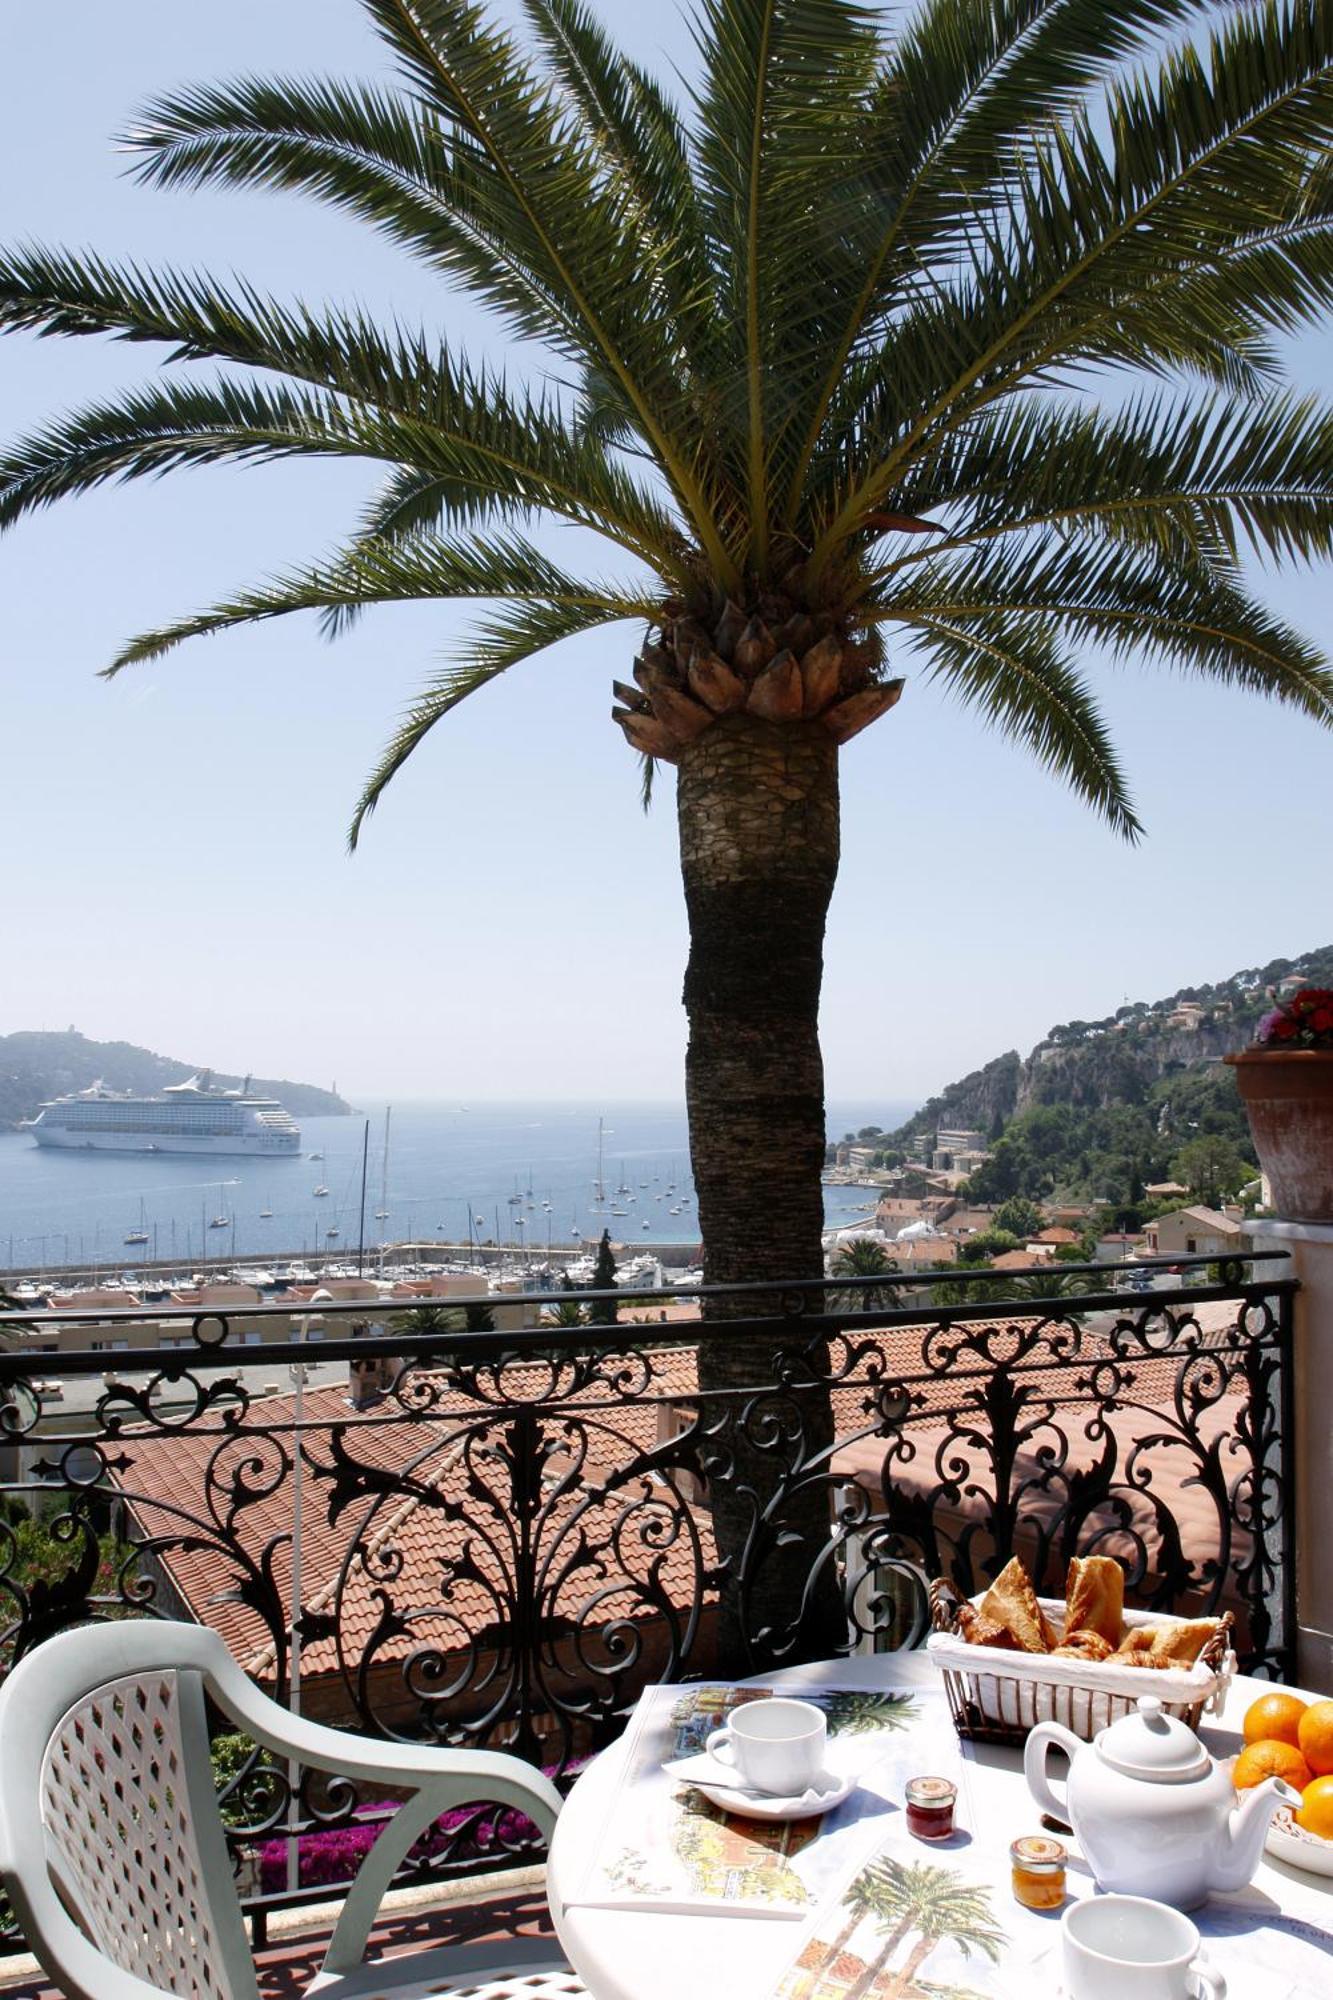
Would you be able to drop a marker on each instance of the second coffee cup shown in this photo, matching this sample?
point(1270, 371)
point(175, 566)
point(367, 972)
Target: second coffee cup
point(776, 1744)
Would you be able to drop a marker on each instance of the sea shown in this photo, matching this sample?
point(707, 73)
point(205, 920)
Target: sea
point(520, 1174)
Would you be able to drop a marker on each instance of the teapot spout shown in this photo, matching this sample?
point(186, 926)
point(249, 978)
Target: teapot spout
point(1242, 1838)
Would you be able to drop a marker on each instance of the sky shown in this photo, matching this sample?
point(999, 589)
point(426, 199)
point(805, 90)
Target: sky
point(175, 869)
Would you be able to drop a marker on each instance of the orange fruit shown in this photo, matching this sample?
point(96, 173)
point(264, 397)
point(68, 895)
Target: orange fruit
point(1270, 1760)
point(1315, 1737)
point(1316, 1813)
point(1274, 1718)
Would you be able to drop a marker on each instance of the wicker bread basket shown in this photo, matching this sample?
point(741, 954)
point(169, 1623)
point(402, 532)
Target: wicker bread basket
point(997, 1695)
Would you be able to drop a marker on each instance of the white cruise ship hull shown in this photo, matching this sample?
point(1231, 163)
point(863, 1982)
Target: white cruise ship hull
point(269, 1144)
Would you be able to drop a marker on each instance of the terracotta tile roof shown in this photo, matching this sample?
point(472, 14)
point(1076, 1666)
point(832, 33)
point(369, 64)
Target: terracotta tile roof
point(411, 1544)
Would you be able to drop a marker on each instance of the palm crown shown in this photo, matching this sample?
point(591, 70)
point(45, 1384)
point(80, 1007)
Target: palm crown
point(811, 343)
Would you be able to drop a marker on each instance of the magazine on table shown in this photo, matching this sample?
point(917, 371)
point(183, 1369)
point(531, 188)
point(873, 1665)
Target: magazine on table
point(664, 1846)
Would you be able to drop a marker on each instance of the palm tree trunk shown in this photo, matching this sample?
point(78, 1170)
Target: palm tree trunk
point(879, 1961)
point(758, 812)
point(905, 1979)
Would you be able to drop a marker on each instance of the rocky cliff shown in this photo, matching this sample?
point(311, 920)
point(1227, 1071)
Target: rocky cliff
point(1092, 1064)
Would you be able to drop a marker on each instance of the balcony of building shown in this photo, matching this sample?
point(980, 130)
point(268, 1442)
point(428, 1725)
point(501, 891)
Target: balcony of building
point(497, 1538)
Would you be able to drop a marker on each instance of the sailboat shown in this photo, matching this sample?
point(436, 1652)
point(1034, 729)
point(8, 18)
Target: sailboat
point(266, 1215)
point(222, 1220)
point(139, 1235)
point(599, 1185)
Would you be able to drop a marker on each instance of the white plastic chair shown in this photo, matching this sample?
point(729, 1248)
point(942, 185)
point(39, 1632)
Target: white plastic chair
point(108, 1814)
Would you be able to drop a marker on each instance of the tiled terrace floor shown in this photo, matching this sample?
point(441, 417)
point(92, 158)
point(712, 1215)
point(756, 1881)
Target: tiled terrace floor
point(289, 1962)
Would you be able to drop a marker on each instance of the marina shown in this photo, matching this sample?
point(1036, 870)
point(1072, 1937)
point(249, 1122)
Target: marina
point(450, 1175)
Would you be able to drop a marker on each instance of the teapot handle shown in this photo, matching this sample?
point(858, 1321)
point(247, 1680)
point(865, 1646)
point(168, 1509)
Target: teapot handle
point(1035, 1753)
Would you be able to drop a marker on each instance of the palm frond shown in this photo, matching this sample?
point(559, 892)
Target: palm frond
point(496, 645)
point(370, 153)
point(1191, 475)
point(1010, 669)
point(963, 89)
point(1075, 264)
point(777, 108)
point(407, 402)
point(1128, 599)
point(392, 572)
point(628, 119)
point(533, 165)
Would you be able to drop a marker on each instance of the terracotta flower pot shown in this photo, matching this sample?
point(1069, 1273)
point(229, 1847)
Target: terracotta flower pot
point(1288, 1096)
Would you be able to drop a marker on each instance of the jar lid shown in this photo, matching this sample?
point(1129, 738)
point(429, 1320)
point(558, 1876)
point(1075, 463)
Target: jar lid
point(1038, 1854)
point(1152, 1744)
point(931, 1791)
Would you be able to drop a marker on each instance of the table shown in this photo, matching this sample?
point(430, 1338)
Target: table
point(626, 1954)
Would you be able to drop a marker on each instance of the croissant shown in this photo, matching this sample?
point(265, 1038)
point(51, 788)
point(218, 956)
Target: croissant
point(1011, 1601)
point(1095, 1597)
point(1176, 1645)
point(1083, 1644)
point(978, 1630)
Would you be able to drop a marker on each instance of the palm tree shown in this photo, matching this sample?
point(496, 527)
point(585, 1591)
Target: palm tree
point(968, 1928)
point(834, 358)
point(869, 1893)
point(565, 1312)
point(862, 1257)
point(935, 1903)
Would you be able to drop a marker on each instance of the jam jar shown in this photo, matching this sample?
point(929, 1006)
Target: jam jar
point(930, 1803)
point(1039, 1871)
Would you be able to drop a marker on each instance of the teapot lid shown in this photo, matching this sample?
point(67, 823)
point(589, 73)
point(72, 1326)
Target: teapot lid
point(1153, 1745)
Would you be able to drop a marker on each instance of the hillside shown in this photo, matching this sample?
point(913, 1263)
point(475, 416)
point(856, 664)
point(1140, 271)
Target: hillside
point(36, 1065)
point(1121, 1060)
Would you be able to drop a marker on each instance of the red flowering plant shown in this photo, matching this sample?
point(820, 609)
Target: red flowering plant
point(1302, 1021)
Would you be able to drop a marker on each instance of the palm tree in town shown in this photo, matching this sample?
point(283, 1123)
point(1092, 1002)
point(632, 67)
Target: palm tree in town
point(836, 344)
point(863, 1257)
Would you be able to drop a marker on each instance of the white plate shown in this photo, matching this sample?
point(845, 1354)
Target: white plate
point(1291, 1843)
point(822, 1798)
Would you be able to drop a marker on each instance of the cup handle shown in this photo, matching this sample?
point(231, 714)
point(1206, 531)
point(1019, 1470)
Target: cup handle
point(1209, 1984)
point(719, 1745)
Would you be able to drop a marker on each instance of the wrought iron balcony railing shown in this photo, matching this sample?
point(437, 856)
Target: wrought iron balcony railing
point(500, 1537)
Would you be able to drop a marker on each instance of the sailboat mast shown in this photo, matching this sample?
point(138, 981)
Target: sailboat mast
point(361, 1236)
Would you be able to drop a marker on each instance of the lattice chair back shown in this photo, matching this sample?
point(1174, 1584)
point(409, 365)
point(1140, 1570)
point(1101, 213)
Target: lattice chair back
point(135, 1841)
point(105, 1770)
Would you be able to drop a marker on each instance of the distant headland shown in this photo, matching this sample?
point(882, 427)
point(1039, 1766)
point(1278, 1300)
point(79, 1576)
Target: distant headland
point(36, 1064)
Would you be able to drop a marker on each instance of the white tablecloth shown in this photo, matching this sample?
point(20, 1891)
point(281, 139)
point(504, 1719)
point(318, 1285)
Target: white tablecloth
point(629, 1954)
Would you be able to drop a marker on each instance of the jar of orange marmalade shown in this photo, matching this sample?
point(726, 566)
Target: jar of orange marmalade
point(1039, 1871)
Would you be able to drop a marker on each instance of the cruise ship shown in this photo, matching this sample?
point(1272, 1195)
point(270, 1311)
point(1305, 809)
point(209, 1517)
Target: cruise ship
point(191, 1117)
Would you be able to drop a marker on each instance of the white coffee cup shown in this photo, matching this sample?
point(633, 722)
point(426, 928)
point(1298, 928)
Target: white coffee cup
point(775, 1744)
point(1115, 1946)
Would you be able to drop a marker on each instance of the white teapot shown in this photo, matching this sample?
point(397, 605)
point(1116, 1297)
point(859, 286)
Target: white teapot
point(1153, 1813)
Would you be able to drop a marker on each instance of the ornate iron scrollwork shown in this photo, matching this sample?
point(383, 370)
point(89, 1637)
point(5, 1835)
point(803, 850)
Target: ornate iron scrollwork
point(514, 1537)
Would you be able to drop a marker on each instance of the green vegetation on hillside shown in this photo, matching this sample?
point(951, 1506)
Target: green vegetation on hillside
point(1189, 1128)
point(1102, 1110)
point(1119, 1060)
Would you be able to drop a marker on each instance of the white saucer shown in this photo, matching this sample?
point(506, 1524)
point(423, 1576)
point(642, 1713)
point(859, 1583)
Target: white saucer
point(706, 1776)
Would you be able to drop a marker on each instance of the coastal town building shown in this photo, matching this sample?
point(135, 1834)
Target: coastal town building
point(1196, 1232)
point(958, 1150)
